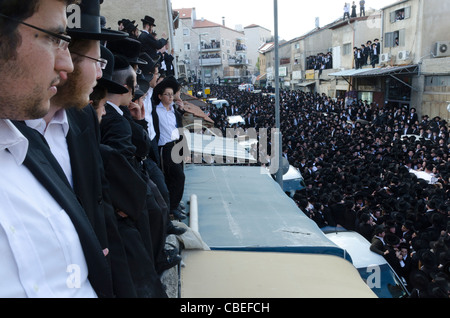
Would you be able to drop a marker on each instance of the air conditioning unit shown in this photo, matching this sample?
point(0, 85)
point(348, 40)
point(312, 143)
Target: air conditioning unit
point(403, 55)
point(385, 57)
point(442, 49)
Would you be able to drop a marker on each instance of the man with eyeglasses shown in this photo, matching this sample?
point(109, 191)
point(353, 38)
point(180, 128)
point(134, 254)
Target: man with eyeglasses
point(48, 246)
point(71, 134)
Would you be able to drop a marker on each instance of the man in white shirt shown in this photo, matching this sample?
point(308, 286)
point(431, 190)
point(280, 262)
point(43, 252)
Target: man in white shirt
point(70, 132)
point(48, 247)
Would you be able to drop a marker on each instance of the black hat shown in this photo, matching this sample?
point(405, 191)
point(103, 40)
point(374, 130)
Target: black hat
point(148, 20)
point(144, 85)
point(148, 68)
point(129, 26)
point(138, 94)
point(120, 63)
point(168, 82)
point(127, 47)
point(90, 25)
point(106, 80)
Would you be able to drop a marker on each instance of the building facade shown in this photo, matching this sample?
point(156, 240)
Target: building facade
point(209, 52)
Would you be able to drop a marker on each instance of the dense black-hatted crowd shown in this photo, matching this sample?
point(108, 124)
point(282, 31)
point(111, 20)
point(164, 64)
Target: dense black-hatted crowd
point(356, 167)
point(320, 61)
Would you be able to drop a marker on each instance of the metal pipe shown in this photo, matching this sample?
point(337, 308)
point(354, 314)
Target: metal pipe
point(193, 213)
point(278, 152)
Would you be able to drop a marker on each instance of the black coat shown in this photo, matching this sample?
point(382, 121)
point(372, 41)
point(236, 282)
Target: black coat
point(150, 45)
point(92, 189)
point(116, 132)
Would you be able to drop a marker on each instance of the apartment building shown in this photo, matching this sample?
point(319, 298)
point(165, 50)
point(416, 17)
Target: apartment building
point(255, 37)
point(414, 64)
point(208, 51)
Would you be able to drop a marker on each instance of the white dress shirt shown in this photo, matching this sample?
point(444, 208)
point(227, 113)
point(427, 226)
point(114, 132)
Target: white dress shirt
point(41, 254)
point(167, 125)
point(148, 113)
point(55, 133)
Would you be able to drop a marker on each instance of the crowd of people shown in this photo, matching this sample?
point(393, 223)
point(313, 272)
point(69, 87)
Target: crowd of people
point(89, 190)
point(320, 61)
point(358, 172)
point(365, 52)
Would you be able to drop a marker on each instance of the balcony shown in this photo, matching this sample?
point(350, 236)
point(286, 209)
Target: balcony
point(238, 61)
point(210, 47)
point(210, 61)
point(241, 47)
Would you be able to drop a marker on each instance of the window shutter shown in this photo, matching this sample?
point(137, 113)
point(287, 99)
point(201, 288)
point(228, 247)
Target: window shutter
point(401, 37)
point(407, 12)
point(392, 17)
point(389, 39)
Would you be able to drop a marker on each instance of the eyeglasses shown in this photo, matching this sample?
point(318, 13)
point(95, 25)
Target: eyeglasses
point(101, 62)
point(168, 94)
point(59, 40)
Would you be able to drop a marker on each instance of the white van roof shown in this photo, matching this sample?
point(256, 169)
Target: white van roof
point(358, 248)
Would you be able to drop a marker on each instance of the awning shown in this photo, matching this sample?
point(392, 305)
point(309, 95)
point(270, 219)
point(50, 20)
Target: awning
point(261, 77)
point(304, 84)
point(381, 71)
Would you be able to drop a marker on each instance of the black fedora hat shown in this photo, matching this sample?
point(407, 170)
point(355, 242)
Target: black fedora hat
point(106, 80)
point(89, 27)
point(168, 82)
point(149, 20)
point(148, 68)
point(128, 48)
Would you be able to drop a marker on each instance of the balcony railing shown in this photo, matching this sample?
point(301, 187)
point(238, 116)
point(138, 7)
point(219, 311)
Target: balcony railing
point(211, 47)
point(210, 61)
point(237, 61)
point(241, 47)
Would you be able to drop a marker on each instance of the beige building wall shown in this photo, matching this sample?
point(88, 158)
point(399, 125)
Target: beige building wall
point(426, 23)
point(115, 10)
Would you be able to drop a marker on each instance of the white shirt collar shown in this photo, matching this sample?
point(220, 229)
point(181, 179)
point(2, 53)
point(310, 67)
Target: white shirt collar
point(13, 140)
point(160, 105)
point(117, 108)
point(60, 118)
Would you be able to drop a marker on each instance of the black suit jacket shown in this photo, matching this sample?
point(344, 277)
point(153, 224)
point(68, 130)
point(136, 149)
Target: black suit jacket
point(43, 165)
point(150, 45)
point(92, 188)
point(116, 132)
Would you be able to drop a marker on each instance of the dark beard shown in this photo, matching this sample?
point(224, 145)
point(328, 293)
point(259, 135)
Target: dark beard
point(70, 94)
point(30, 107)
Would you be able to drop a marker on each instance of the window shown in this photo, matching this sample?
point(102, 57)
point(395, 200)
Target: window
point(347, 49)
point(187, 46)
point(394, 39)
point(401, 14)
point(297, 46)
point(186, 32)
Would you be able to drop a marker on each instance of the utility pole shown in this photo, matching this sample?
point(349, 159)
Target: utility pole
point(278, 151)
